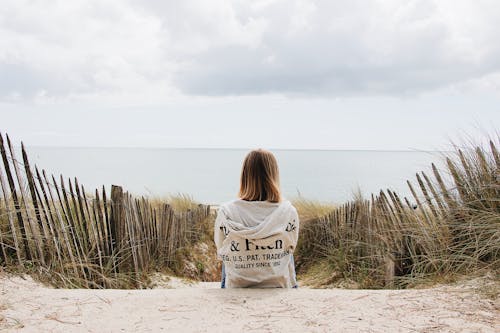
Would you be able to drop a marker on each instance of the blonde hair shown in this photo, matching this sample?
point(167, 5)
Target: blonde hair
point(260, 177)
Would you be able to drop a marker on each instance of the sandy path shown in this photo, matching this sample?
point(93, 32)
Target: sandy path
point(26, 306)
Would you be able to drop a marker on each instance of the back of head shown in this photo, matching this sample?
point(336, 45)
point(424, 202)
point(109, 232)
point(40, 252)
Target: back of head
point(260, 177)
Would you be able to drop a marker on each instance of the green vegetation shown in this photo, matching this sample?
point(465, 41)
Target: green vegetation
point(310, 209)
point(180, 202)
point(70, 238)
point(385, 241)
point(58, 232)
point(118, 268)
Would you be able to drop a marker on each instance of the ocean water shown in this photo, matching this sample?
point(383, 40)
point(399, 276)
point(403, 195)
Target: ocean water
point(212, 175)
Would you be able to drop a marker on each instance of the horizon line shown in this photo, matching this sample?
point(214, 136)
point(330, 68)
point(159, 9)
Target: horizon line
point(411, 150)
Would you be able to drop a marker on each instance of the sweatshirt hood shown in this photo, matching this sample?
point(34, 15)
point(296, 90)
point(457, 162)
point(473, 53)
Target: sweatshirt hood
point(256, 219)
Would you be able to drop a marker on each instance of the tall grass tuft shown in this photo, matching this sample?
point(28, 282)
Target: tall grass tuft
point(447, 228)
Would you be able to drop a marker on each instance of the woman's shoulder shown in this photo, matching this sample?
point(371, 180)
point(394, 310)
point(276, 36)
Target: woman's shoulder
point(241, 202)
point(289, 205)
point(244, 204)
point(226, 205)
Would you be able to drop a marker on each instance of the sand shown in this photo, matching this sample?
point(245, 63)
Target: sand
point(27, 306)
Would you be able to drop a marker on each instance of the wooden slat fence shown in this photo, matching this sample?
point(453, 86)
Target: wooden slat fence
point(89, 237)
point(387, 231)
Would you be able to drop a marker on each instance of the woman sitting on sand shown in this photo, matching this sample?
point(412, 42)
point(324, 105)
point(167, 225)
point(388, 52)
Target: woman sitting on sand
point(256, 234)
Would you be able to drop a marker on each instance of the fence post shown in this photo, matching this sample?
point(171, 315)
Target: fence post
point(390, 268)
point(17, 205)
point(117, 216)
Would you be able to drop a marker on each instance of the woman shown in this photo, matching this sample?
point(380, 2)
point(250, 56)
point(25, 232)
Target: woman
point(256, 234)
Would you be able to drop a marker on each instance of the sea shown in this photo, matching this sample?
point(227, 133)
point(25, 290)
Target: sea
point(211, 176)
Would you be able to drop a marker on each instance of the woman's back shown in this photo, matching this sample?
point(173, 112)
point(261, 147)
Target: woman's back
point(256, 234)
point(255, 240)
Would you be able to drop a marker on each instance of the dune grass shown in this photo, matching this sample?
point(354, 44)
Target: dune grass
point(387, 241)
point(90, 267)
point(311, 209)
point(179, 201)
point(449, 227)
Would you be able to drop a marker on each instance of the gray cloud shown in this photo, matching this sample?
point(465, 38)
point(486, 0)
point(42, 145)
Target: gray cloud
point(239, 71)
point(353, 49)
point(23, 82)
point(150, 49)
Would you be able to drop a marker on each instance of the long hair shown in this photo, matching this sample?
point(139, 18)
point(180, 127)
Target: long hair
point(260, 177)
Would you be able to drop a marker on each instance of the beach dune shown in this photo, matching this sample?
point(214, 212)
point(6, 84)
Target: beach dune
point(27, 306)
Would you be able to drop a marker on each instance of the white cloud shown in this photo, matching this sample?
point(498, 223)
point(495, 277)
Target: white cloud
point(68, 48)
point(147, 52)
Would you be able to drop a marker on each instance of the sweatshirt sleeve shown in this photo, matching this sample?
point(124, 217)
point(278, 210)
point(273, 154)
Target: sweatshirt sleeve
point(293, 227)
point(218, 232)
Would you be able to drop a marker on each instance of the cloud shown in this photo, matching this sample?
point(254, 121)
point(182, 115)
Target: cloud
point(63, 49)
point(149, 50)
point(337, 48)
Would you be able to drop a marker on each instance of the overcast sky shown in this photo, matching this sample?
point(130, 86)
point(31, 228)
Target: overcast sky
point(302, 74)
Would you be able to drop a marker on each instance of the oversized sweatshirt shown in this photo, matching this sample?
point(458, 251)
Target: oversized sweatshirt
point(255, 240)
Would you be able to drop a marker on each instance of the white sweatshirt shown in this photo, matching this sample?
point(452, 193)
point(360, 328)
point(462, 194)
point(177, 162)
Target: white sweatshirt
point(255, 240)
